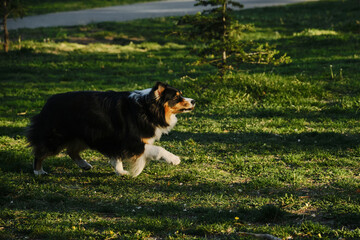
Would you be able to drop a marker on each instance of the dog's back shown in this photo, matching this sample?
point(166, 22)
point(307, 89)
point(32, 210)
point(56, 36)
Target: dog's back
point(95, 118)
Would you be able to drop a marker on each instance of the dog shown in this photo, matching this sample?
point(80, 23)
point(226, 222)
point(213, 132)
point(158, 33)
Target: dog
point(122, 126)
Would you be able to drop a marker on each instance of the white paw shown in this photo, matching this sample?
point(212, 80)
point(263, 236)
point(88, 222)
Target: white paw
point(40, 172)
point(122, 173)
point(173, 159)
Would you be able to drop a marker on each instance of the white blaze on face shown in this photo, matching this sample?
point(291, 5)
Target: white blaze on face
point(190, 101)
point(186, 105)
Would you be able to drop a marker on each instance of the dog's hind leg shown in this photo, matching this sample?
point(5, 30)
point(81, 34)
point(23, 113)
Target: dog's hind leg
point(38, 169)
point(73, 150)
point(40, 155)
point(118, 165)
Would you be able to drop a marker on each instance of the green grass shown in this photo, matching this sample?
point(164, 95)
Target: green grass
point(34, 7)
point(268, 149)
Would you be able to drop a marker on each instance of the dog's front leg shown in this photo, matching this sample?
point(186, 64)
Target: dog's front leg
point(151, 152)
point(158, 153)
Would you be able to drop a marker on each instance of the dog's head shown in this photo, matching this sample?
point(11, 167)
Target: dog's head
point(171, 100)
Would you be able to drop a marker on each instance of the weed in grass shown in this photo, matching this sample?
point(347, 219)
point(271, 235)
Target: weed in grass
point(270, 213)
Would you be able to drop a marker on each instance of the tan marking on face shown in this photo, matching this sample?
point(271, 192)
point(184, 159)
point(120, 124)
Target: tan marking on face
point(159, 92)
point(168, 113)
point(181, 105)
point(177, 108)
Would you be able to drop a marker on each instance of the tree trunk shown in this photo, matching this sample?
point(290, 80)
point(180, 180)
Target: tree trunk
point(224, 32)
point(6, 32)
point(6, 35)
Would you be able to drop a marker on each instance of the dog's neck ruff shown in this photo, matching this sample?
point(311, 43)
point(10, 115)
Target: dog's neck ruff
point(143, 96)
point(159, 131)
point(137, 94)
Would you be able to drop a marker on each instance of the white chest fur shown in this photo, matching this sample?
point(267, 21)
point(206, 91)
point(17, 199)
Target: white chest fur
point(160, 131)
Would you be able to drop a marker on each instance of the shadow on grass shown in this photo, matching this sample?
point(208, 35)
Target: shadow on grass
point(166, 216)
point(19, 160)
point(16, 161)
point(62, 198)
point(75, 192)
point(286, 142)
point(333, 112)
point(12, 131)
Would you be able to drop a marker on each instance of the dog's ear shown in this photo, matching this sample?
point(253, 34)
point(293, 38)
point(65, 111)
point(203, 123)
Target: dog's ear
point(159, 89)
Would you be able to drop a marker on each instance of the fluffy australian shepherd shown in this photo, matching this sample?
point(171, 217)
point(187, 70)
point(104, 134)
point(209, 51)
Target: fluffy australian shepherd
point(121, 125)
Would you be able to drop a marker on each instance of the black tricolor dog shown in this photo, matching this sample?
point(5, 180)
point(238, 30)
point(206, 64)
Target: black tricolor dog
point(121, 125)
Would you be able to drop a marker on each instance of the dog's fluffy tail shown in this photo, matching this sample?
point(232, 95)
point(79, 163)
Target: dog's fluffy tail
point(33, 131)
point(42, 138)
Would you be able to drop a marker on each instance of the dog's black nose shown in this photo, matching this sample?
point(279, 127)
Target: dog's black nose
point(193, 102)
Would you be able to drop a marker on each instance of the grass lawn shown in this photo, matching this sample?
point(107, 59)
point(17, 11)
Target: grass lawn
point(35, 7)
point(268, 149)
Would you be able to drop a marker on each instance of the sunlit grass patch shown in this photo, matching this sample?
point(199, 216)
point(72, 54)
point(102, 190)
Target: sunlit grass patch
point(315, 32)
point(66, 47)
